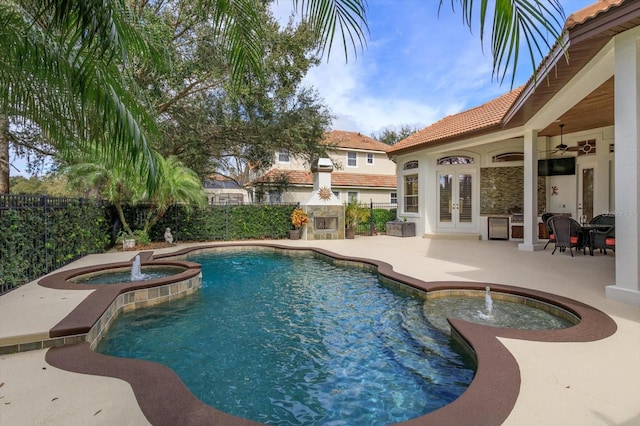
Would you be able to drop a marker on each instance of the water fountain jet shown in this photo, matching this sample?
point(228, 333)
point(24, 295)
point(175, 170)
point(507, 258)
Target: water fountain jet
point(488, 305)
point(136, 269)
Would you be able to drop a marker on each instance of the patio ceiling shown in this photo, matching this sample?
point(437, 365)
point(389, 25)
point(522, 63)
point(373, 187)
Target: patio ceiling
point(584, 41)
point(595, 110)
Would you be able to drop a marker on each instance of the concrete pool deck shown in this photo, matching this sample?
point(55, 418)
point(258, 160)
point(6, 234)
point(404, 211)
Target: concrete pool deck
point(587, 383)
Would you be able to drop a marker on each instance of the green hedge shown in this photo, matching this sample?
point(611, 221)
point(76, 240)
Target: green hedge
point(221, 222)
point(381, 217)
point(37, 240)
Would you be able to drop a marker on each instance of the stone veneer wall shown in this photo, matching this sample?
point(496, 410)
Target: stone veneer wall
point(501, 189)
point(325, 211)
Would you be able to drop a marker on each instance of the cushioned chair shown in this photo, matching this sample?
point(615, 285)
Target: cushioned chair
point(545, 220)
point(567, 233)
point(602, 240)
point(599, 239)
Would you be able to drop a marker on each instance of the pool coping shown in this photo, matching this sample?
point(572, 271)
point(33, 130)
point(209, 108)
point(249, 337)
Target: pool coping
point(488, 400)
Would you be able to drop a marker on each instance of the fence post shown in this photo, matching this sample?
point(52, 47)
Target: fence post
point(371, 223)
point(43, 203)
point(226, 214)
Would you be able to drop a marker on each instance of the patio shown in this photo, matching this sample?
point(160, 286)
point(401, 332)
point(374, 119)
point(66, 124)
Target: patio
point(562, 383)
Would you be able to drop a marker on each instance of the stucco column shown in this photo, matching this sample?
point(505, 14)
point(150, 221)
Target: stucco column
point(530, 209)
point(627, 177)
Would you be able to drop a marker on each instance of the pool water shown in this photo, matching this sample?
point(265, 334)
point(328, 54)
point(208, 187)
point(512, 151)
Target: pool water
point(504, 313)
point(296, 340)
point(125, 276)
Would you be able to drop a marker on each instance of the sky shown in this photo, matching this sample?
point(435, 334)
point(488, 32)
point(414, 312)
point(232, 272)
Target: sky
point(418, 67)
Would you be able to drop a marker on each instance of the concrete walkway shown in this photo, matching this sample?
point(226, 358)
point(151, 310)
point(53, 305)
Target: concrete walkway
point(595, 383)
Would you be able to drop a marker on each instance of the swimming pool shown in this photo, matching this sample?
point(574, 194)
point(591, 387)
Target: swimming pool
point(298, 340)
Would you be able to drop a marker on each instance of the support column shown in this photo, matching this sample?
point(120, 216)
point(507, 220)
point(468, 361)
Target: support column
point(627, 177)
point(530, 209)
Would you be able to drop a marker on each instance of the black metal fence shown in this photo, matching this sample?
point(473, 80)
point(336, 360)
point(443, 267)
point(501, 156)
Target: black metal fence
point(379, 215)
point(39, 234)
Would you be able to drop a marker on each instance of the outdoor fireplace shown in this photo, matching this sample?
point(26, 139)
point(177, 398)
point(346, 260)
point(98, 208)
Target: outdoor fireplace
point(326, 212)
point(325, 223)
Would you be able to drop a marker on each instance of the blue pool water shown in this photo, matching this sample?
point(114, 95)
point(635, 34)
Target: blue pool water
point(125, 276)
point(296, 340)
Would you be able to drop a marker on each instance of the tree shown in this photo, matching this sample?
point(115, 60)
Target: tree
point(212, 124)
point(391, 136)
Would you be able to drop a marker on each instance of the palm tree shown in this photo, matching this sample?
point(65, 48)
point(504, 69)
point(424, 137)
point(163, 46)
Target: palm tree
point(177, 185)
point(63, 69)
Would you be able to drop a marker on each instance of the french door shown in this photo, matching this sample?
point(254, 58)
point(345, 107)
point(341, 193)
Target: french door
point(455, 199)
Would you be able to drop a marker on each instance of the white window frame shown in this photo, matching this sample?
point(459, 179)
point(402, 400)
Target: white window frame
point(405, 180)
point(393, 198)
point(353, 195)
point(370, 158)
point(355, 155)
point(288, 155)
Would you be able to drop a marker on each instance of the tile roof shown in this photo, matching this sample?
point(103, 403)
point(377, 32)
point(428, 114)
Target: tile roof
point(590, 12)
point(301, 177)
point(353, 140)
point(483, 117)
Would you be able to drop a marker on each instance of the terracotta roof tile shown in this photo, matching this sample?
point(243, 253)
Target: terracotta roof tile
point(305, 178)
point(353, 140)
point(483, 117)
point(590, 12)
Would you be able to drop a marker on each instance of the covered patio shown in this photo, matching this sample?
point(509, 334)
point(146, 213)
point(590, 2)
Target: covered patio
point(584, 103)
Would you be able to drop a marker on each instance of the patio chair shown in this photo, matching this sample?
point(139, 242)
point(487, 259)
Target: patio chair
point(545, 220)
point(604, 219)
point(602, 240)
point(567, 234)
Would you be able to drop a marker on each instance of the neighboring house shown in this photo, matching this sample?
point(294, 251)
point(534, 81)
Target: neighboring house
point(585, 106)
point(362, 170)
point(224, 190)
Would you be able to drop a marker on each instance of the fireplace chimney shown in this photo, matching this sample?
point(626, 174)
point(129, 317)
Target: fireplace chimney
point(326, 212)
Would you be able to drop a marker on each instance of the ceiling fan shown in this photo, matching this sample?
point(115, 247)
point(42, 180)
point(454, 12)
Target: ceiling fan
point(562, 147)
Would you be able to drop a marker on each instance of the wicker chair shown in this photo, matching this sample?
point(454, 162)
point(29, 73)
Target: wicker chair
point(567, 234)
point(602, 240)
point(545, 220)
point(604, 219)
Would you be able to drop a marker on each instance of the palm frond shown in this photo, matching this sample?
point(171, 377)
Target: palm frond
point(51, 76)
point(346, 17)
point(537, 23)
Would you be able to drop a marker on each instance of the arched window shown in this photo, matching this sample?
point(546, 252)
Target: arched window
point(455, 159)
point(508, 156)
point(410, 165)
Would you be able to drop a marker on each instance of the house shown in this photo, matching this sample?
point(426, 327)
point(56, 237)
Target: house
point(220, 189)
point(363, 172)
point(579, 118)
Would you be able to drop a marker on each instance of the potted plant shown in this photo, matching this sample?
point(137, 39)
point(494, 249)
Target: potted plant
point(353, 216)
point(298, 219)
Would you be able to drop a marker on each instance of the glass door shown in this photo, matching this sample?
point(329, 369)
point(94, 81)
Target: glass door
point(455, 200)
point(586, 179)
